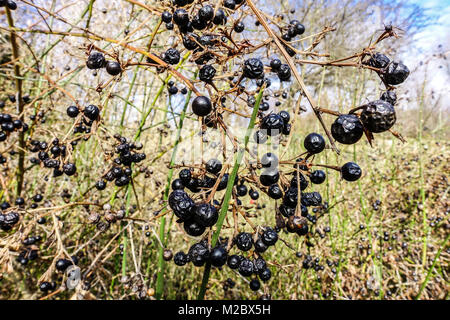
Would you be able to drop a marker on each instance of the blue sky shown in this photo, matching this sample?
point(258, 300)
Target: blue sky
point(439, 31)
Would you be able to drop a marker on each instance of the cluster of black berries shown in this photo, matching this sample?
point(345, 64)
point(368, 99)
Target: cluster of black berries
point(30, 253)
point(172, 89)
point(295, 28)
point(272, 125)
point(8, 3)
point(376, 116)
point(90, 114)
point(53, 156)
point(391, 72)
point(9, 125)
point(97, 60)
point(8, 220)
point(62, 264)
point(121, 172)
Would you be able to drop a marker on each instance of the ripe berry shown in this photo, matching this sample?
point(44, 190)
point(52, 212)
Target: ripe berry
point(317, 177)
point(213, 166)
point(378, 116)
point(100, 185)
point(190, 41)
point(177, 184)
point(245, 267)
point(230, 4)
point(269, 177)
point(284, 72)
point(201, 106)
point(166, 17)
point(206, 214)
point(11, 4)
point(180, 258)
point(206, 13)
point(255, 285)
point(347, 129)
point(198, 254)
point(395, 73)
point(63, 264)
point(254, 195)
point(72, 111)
point(314, 143)
point(265, 274)
point(181, 17)
point(91, 112)
point(181, 204)
point(273, 123)
point(299, 28)
point(269, 237)
point(285, 116)
point(185, 176)
point(234, 261)
point(244, 241)
point(253, 68)
point(171, 56)
point(351, 171)
point(193, 228)
point(239, 27)
point(275, 64)
point(241, 190)
point(220, 17)
point(69, 169)
point(207, 73)
point(275, 192)
point(113, 68)
point(218, 256)
point(96, 60)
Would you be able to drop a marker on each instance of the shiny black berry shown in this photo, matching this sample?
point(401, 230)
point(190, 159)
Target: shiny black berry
point(234, 261)
point(269, 237)
point(91, 112)
point(218, 256)
point(255, 285)
point(180, 258)
point(317, 177)
point(351, 171)
point(239, 27)
point(213, 166)
point(166, 17)
point(193, 228)
point(72, 111)
point(347, 129)
point(244, 241)
point(273, 124)
point(269, 177)
point(378, 60)
point(314, 143)
point(113, 68)
point(275, 192)
point(181, 17)
point(69, 169)
point(206, 214)
point(206, 13)
point(201, 106)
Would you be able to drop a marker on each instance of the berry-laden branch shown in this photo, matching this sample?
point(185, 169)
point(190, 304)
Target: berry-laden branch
point(228, 192)
point(296, 74)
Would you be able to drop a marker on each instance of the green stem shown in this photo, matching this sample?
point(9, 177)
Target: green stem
point(228, 192)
